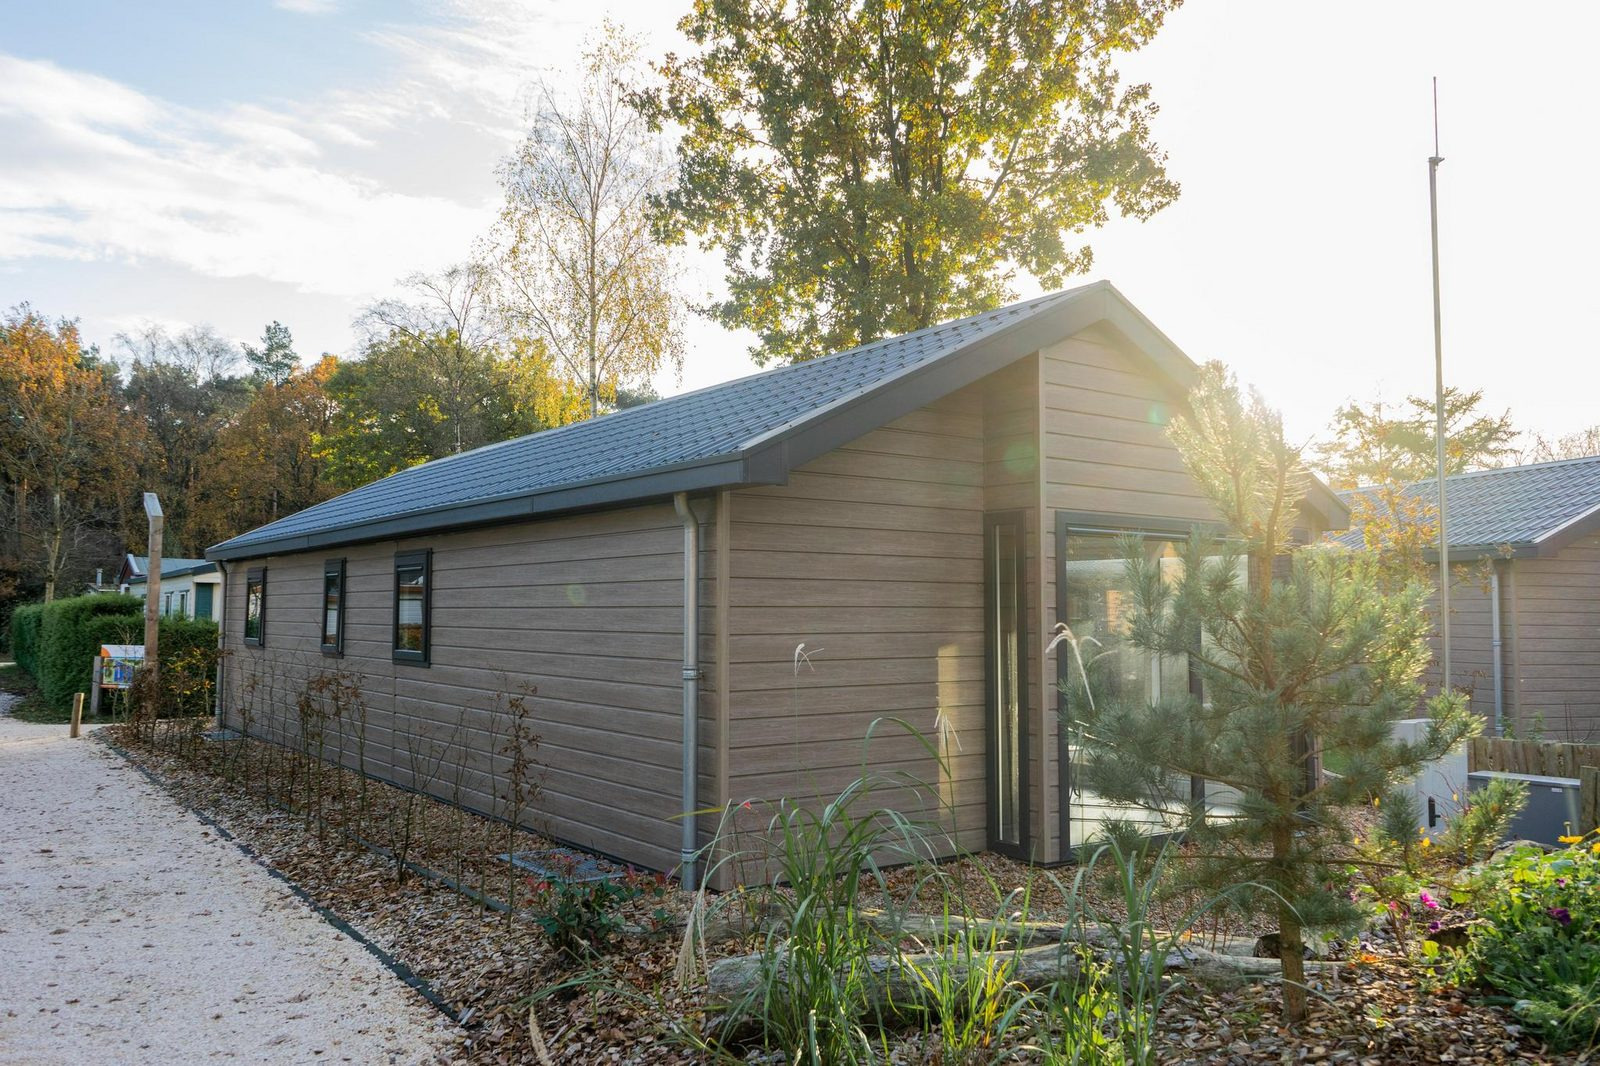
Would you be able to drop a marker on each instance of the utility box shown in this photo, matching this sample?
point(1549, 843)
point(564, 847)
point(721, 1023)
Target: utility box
point(1552, 810)
point(1441, 787)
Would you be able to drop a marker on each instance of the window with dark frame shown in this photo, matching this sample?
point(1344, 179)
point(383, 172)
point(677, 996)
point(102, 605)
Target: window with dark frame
point(412, 602)
point(333, 607)
point(255, 606)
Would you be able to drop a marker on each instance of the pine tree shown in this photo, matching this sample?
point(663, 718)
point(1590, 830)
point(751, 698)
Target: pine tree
point(275, 360)
point(1300, 651)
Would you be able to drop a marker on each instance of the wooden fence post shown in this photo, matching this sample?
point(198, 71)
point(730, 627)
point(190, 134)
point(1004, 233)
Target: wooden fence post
point(77, 714)
point(1588, 799)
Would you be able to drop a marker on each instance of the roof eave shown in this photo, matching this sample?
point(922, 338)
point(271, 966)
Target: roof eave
point(712, 473)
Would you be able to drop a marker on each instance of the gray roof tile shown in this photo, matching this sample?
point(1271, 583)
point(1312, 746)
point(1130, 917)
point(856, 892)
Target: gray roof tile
point(1516, 506)
point(697, 427)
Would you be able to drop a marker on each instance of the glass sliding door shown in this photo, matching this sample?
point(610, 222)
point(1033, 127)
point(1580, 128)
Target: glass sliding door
point(1100, 669)
point(1005, 675)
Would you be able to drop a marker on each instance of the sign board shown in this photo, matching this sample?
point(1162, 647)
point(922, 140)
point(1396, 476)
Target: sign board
point(118, 663)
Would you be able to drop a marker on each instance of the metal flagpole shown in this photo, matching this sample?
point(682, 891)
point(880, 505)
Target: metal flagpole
point(1438, 400)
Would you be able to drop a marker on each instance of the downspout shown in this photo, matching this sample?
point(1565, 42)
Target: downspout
point(691, 688)
point(1497, 650)
point(219, 612)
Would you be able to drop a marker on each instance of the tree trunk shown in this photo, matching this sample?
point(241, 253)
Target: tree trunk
point(1291, 944)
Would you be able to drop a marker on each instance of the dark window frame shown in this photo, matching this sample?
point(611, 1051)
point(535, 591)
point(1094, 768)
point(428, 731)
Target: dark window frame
point(333, 568)
point(1099, 524)
point(257, 576)
point(1023, 850)
point(407, 560)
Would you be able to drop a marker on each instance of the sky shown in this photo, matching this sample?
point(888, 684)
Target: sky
point(243, 162)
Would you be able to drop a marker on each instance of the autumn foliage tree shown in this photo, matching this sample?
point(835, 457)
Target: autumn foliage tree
point(270, 460)
point(66, 444)
point(869, 168)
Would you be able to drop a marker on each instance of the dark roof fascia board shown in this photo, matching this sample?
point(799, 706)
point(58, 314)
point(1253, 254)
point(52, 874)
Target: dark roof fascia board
point(715, 473)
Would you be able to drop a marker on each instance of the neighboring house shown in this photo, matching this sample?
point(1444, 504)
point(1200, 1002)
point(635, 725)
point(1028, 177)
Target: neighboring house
point(888, 531)
point(189, 587)
point(1524, 593)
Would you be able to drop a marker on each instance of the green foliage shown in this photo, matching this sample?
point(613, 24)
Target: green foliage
point(583, 918)
point(275, 360)
point(1289, 644)
point(1483, 821)
point(1372, 446)
point(869, 168)
point(1539, 942)
point(71, 637)
point(26, 623)
point(69, 634)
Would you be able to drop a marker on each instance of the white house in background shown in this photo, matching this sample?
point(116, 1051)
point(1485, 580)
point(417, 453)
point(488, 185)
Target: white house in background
point(189, 587)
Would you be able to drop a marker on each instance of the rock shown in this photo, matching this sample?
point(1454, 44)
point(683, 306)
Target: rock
point(1266, 946)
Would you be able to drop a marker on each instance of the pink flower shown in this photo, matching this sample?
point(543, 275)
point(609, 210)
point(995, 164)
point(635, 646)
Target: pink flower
point(1428, 901)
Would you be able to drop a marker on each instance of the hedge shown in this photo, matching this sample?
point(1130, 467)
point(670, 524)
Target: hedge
point(62, 643)
point(24, 635)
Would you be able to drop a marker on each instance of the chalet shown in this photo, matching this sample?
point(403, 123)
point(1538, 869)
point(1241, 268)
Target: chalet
point(715, 595)
point(1524, 594)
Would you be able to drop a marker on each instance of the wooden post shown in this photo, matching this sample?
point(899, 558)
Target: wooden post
point(94, 687)
point(77, 714)
point(1588, 799)
point(152, 601)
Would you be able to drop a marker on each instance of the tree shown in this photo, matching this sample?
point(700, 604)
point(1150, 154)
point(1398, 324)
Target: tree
point(275, 360)
point(577, 263)
point(869, 167)
point(66, 445)
point(269, 461)
point(1579, 445)
point(1372, 445)
point(413, 397)
point(1298, 650)
point(178, 389)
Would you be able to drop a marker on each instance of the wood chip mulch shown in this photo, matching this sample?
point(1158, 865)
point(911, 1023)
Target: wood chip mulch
point(627, 1008)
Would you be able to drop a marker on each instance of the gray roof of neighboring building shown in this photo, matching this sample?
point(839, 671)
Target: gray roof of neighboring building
point(169, 568)
point(751, 431)
point(1513, 510)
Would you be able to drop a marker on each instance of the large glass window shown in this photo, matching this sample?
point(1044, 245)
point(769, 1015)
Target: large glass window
point(333, 607)
point(411, 606)
point(1100, 668)
point(255, 606)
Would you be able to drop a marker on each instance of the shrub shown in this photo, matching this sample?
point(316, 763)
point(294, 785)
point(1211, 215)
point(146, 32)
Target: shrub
point(24, 636)
point(67, 646)
point(583, 918)
point(1473, 832)
point(1539, 942)
point(57, 643)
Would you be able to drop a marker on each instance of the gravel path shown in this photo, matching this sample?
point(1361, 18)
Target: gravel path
point(130, 933)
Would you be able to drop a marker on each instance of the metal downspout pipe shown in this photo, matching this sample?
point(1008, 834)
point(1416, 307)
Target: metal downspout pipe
point(1497, 650)
point(691, 688)
point(219, 610)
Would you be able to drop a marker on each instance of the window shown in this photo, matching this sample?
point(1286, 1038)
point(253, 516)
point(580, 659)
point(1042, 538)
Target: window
point(333, 607)
point(255, 607)
point(166, 603)
point(411, 606)
point(183, 603)
point(1101, 669)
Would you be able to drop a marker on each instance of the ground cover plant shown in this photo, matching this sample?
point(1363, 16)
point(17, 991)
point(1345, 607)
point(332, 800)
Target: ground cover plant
point(518, 993)
point(1538, 942)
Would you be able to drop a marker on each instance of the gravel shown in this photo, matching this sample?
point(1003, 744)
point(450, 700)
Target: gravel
point(131, 933)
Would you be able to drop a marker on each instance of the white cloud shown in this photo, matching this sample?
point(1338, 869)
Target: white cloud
point(307, 7)
point(98, 170)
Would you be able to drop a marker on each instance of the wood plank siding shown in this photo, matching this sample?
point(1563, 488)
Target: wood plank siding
point(586, 610)
point(872, 558)
point(1106, 453)
point(1553, 671)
